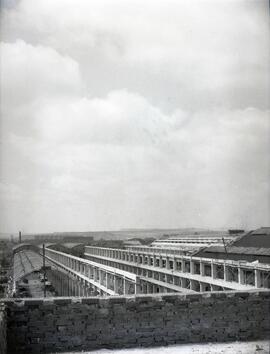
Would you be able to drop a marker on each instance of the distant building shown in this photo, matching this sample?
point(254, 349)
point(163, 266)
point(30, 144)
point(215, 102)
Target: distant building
point(257, 238)
point(132, 242)
point(252, 246)
point(73, 237)
point(76, 249)
point(48, 237)
point(236, 231)
point(194, 241)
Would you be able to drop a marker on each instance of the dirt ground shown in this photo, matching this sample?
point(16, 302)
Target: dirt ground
point(258, 347)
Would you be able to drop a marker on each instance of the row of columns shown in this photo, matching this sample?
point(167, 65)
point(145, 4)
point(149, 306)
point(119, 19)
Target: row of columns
point(107, 280)
point(213, 269)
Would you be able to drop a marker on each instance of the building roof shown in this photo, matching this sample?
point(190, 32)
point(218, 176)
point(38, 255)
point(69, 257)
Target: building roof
point(258, 251)
point(132, 242)
point(71, 244)
point(20, 245)
point(261, 231)
point(26, 262)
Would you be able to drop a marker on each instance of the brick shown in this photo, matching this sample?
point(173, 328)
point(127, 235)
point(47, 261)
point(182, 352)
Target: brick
point(94, 323)
point(90, 301)
point(62, 301)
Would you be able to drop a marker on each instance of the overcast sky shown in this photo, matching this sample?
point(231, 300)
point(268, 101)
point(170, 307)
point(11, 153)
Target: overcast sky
point(139, 113)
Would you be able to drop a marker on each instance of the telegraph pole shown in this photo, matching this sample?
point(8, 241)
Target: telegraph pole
point(224, 244)
point(44, 270)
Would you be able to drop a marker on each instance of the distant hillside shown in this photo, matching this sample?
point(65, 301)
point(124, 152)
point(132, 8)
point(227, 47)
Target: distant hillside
point(4, 235)
point(124, 234)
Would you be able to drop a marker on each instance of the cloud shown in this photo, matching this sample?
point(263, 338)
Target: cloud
point(171, 52)
point(208, 168)
point(28, 72)
point(134, 114)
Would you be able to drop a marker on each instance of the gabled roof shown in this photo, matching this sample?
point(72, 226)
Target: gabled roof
point(261, 231)
point(258, 251)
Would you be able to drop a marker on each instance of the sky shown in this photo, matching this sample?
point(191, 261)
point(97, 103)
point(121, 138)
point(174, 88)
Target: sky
point(134, 114)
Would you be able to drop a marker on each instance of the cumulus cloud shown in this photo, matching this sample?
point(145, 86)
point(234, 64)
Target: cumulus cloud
point(29, 72)
point(167, 51)
point(134, 114)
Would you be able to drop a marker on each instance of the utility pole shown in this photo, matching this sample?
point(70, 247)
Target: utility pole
point(20, 237)
point(225, 247)
point(44, 270)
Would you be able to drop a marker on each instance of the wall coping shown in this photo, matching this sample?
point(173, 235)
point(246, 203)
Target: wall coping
point(169, 297)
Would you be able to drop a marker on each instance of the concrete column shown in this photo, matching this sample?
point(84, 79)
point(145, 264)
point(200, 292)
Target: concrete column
point(114, 284)
point(201, 268)
point(184, 283)
point(71, 287)
point(71, 284)
point(137, 286)
point(240, 275)
point(226, 272)
point(192, 284)
point(174, 264)
point(75, 287)
point(258, 281)
point(82, 289)
point(61, 285)
point(144, 286)
point(183, 265)
point(166, 278)
point(107, 280)
point(202, 287)
point(192, 267)
point(87, 291)
point(167, 263)
point(213, 270)
point(126, 286)
point(148, 288)
point(180, 280)
point(100, 276)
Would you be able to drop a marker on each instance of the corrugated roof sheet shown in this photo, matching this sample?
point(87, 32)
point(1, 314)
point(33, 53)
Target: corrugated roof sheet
point(21, 245)
point(240, 250)
point(71, 244)
point(262, 231)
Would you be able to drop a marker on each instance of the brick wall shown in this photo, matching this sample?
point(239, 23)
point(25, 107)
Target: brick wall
point(2, 329)
point(63, 324)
